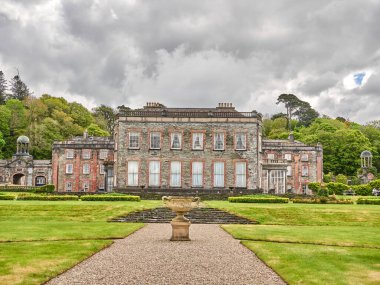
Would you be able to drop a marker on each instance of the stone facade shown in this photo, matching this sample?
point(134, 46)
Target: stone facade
point(79, 164)
point(22, 169)
point(187, 123)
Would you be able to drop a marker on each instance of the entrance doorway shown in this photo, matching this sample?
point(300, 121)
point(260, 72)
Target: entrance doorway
point(19, 179)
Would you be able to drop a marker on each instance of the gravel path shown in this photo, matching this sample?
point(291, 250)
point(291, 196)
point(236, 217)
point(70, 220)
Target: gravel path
point(148, 257)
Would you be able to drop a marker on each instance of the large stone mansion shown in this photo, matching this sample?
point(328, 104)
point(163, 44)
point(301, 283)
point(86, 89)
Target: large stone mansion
point(156, 148)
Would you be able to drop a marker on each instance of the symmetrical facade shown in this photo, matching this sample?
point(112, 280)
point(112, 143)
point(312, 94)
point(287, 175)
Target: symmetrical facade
point(167, 149)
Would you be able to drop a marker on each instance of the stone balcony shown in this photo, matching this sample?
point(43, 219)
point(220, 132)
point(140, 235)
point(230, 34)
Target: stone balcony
point(279, 164)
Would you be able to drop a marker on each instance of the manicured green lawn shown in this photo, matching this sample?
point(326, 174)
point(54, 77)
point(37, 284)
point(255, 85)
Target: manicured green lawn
point(312, 244)
point(40, 239)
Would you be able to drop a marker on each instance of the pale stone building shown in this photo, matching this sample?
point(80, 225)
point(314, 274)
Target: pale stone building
point(22, 169)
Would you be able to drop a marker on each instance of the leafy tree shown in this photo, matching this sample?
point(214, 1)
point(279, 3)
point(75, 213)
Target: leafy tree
point(19, 90)
point(298, 108)
point(55, 103)
point(3, 88)
point(105, 117)
point(95, 130)
point(2, 143)
point(81, 116)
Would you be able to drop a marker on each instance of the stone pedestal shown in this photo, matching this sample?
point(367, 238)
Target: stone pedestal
point(180, 230)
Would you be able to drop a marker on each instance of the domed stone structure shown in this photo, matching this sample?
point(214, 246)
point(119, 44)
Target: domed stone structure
point(22, 145)
point(366, 159)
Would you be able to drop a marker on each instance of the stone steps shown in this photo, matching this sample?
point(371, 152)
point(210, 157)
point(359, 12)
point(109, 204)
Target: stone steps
point(196, 216)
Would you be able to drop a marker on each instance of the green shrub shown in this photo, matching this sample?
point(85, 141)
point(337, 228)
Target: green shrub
point(323, 192)
point(341, 178)
point(7, 197)
point(375, 184)
point(336, 188)
point(362, 190)
point(368, 201)
point(257, 200)
point(314, 186)
point(110, 198)
point(322, 200)
point(48, 188)
point(47, 197)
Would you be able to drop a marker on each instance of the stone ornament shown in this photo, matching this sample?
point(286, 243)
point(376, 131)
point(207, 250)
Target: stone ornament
point(180, 224)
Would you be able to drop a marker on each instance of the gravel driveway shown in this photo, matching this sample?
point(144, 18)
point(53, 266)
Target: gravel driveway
point(148, 257)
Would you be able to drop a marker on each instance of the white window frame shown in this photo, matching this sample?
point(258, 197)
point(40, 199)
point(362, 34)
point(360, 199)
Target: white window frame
point(179, 137)
point(270, 156)
point(219, 138)
point(103, 153)
point(38, 180)
point(151, 140)
point(69, 168)
point(86, 168)
point(200, 137)
point(219, 176)
point(101, 185)
point(304, 170)
point(304, 157)
point(86, 153)
point(154, 173)
point(101, 169)
point(86, 186)
point(69, 153)
point(134, 140)
point(197, 174)
point(175, 173)
point(69, 186)
point(241, 174)
point(288, 156)
point(289, 170)
point(277, 181)
point(243, 140)
point(133, 173)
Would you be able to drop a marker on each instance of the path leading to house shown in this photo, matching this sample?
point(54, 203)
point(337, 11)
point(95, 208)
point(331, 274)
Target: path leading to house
point(148, 257)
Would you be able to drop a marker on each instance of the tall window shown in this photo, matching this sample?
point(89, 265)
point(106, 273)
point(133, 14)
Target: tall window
point(219, 141)
point(154, 173)
point(101, 169)
point(86, 168)
point(241, 174)
point(134, 140)
point(155, 140)
point(69, 168)
point(86, 186)
point(86, 154)
point(198, 141)
point(197, 174)
point(69, 186)
point(277, 181)
point(240, 139)
point(175, 174)
point(175, 140)
point(69, 153)
point(218, 174)
point(289, 170)
point(305, 170)
point(133, 173)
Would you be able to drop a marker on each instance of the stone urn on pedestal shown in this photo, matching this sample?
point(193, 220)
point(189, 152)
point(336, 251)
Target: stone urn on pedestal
point(180, 224)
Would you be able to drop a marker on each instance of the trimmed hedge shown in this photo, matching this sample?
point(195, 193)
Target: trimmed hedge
point(48, 188)
point(48, 197)
point(7, 197)
point(110, 198)
point(368, 201)
point(257, 200)
point(314, 186)
point(362, 190)
point(321, 201)
point(336, 188)
point(375, 184)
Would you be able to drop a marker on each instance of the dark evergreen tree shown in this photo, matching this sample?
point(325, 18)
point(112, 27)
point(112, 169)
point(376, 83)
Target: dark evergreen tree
point(19, 90)
point(3, 88)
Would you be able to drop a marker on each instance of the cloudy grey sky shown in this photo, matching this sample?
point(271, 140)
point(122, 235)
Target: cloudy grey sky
point(198, 53)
